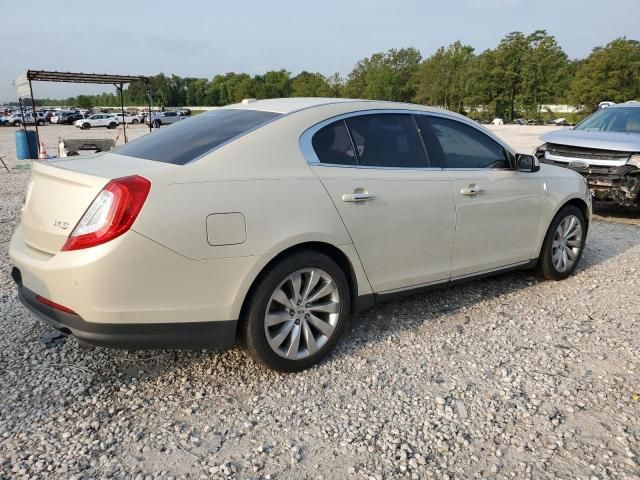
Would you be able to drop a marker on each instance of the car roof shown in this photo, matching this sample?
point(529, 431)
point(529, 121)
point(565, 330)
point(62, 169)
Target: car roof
point(625, 105)
point(294, 104)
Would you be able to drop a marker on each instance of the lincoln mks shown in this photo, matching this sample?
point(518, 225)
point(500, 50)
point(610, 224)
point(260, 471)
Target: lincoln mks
point(271, 221)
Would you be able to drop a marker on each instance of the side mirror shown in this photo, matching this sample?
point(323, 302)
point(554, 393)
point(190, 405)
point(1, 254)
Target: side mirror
point(527, 163)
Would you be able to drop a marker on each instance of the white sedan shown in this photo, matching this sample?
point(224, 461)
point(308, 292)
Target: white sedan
point(274, 220)
point(98, 120)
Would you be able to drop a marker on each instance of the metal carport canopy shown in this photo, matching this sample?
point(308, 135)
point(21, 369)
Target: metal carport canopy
point(74, 77)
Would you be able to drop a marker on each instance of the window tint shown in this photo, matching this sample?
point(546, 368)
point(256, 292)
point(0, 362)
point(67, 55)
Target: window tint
point(457, 145)
point(387, 140)
point(332, 145)
point(184, 141)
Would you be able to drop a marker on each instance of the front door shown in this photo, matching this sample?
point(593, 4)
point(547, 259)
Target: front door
point(497, 208)
point(398, 211)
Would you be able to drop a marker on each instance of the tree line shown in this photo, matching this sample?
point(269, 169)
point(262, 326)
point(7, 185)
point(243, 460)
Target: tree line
point(517, 77)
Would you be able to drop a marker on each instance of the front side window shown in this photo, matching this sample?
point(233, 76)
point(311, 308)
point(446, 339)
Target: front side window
point(387, 140)
point(333, 146)
point(457, 145)
point(191, 138)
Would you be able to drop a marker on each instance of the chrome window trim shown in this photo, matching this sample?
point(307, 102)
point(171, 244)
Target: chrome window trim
point(306, 147)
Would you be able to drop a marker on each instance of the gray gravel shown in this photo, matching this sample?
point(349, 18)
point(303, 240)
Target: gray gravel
point(507, 377)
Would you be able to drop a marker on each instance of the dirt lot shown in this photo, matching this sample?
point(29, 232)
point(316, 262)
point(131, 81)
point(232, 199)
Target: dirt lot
point(506, 377)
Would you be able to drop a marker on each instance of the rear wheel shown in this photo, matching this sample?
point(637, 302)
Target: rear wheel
point(563, 244)
point(134, 121)
point(41, 122)
point(297, 312)
point(112, 125)
point(16, 123)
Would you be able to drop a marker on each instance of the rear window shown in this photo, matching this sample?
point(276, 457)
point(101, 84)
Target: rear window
point(187, 140)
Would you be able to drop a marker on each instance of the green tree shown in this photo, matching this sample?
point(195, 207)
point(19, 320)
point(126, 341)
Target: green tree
point(307, 84)
point(609, 73)
point(385, 76)
point(442, 79)
point(544, 67)
point(273, 84)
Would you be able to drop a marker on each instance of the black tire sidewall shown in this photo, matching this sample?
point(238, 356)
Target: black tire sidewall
point(545, 263)
point(253, 322)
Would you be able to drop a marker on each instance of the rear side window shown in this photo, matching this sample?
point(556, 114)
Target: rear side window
point(456, 145)
point(387, 140)
point(332, 145)
point(184, 141)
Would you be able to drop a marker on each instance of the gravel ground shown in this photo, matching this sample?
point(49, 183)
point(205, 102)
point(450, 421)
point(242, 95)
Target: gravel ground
point(506, 377)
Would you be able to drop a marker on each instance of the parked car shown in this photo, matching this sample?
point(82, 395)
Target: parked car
point(57, 117)
point(164, 118)
point(132, 119)
point(97, 120)
point(71, 118)
point(604, 148)
point(276, 219)
point(16, 119)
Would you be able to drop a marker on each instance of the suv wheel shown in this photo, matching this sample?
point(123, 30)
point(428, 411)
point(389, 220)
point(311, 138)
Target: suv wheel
point(297, 312)
point(86, 126)
point(112, 125)
point(563, 245)
point(16, 123)
point(134, 121)
point(41, 122)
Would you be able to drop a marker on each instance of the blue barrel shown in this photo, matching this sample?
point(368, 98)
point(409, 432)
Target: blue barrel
point(26, 144)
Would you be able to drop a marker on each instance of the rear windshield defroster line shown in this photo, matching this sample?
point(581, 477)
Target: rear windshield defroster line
point(186, 140)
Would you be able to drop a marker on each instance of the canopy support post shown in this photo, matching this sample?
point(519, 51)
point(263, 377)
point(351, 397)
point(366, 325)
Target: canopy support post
point(35, 117)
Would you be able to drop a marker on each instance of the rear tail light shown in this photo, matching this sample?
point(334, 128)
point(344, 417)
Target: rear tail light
point(111, 214)
point(57, 306)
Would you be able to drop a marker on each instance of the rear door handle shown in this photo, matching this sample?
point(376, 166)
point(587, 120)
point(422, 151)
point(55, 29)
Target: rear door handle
point(472, 190)
point(357, 197)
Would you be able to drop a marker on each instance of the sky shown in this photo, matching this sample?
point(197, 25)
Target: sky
point(203, 38)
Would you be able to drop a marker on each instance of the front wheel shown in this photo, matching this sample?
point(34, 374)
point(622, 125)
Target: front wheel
point(297, 312)
point(86, 126)
point(134, 121)
point(563, 245)
point(16, 123)
point(41, 122)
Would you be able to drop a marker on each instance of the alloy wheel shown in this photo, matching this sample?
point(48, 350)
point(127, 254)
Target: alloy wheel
point(567, 243)
point(302, 313)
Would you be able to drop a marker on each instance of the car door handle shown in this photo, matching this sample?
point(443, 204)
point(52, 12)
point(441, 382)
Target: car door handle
point(357, 197)
point(472, 190)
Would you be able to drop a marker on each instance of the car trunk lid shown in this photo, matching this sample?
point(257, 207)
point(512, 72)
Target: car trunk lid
point(60, 192)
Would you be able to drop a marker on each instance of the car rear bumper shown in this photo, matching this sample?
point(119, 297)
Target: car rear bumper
point(196, 335)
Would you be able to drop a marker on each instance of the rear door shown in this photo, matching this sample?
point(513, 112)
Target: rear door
point(397, 207)
point(497, 207)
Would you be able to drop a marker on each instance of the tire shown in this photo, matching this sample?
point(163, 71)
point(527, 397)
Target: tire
point(112, 125)
point(134, 121)
point(41, 123)
point(86, 126)
point(329, 310)
point(157, 123)
point(561, 253)
point(16, 123)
